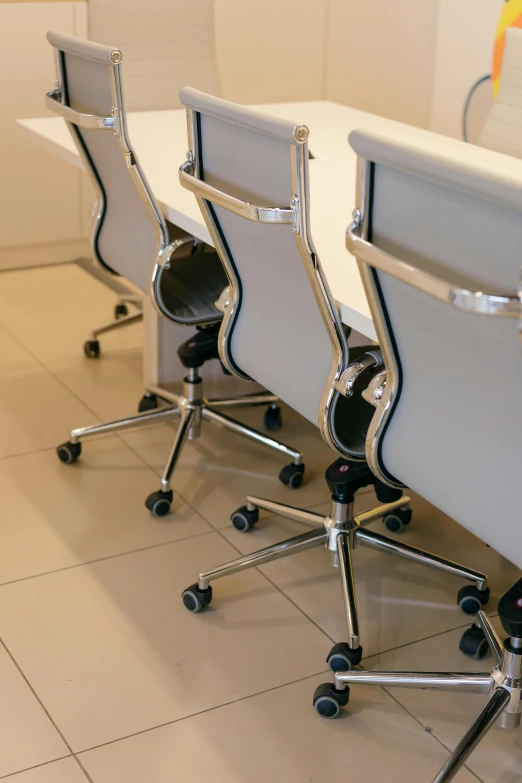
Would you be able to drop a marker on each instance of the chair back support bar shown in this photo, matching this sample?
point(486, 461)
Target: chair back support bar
point(129, 232)
point(476, 302)
point(438, 239)
point(281, 327)
point(54, 102)
point(274, 215)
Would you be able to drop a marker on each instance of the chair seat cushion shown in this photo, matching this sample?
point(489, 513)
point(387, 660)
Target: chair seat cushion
point(192, 285)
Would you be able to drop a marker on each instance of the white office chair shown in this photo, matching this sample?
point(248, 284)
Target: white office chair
point(154, 72)
point(502, 131)
point(131, 236)
point(438, 239)
point(249, 172)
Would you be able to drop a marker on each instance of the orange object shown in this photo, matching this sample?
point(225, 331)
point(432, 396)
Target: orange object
point(511, 16)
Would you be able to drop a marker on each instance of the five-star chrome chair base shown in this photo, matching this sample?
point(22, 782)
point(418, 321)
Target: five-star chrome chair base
point(192, 409)
point(340, 532)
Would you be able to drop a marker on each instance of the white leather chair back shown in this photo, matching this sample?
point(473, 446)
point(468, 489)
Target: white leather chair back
point(281, 326)
point(439, 244)
point(503, 128)
point(130, 230)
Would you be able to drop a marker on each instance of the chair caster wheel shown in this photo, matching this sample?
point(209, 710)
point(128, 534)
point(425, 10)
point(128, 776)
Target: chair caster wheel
point(328, 701)
point(91, 349)
point(160, 502)
point(120, 311)
point(396, 521)
point(342, 658)
point(243, 519)
point(69, 452)
point(148, 402)
point(195, 599)
point(292, 475)
point(273, 419)
point(474, 643)
point(470, 599)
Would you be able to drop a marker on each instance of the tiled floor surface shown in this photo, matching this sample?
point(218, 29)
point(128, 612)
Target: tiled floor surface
point(105, 677)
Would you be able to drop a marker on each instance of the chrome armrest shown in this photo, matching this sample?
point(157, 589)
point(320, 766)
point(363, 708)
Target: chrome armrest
point(478, 301)
point(345, 384)
point(375, 390)
point(274, 215)
point(53, 102)
point(168, 251)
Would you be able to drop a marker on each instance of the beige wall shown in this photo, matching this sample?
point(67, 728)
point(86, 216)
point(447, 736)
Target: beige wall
point(465, 39)
point(39, 197)
point(381, 56)
point(166, 44)
point(272, 50)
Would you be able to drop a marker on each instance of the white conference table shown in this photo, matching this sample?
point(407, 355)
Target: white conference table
point(160, 141)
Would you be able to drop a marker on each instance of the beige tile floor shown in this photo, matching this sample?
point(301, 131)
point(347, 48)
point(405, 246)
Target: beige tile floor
point(105, 677)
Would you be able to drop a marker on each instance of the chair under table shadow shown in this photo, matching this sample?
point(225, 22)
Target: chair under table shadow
point(438, 239)
point(132, 237)
point(249, 172)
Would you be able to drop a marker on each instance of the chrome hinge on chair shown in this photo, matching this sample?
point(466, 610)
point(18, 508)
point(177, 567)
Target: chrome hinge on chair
point(375, 389)
point(166, 254)
point(345, 384)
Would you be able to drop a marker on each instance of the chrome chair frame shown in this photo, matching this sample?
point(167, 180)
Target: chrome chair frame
point(191, 406)
point(341, 530)
point(504, 682)
point(295, 214)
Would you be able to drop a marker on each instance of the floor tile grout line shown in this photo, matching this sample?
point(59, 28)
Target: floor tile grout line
point(80, 764)
point(427, 729)
point(279, 590)
point(199, 712)
point(35, 694)
point(44, 708)
point(36, 766)
point(108, 557)
point(423, 639)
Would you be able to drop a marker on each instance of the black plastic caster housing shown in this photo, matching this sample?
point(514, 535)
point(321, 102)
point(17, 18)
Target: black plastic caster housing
point(91, 349)
point(328, 701)
point(69, 452)
point(292, 475)
point(159, 502)
point(243, 519)
point(273, 419)
point(195, 599)
point(120, 311)
point(474, 643)
point(396, 520)
point(470, 599)
point(342, 658)
point(149, 402)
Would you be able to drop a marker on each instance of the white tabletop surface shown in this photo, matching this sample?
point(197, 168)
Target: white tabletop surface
point(160, 141)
